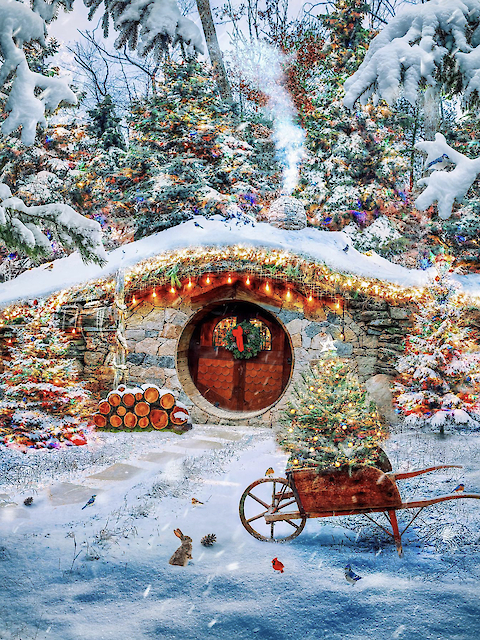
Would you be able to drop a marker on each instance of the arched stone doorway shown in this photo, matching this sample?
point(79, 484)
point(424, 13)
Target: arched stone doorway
point(231, 384)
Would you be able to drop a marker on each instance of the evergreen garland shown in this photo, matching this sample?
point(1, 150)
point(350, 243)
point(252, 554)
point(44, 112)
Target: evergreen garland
point(252, 341)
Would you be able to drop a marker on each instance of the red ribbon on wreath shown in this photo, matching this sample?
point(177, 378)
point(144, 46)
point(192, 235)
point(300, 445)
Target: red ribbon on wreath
point(237, 332)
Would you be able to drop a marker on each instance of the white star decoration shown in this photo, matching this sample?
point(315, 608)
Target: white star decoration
point(327, 343)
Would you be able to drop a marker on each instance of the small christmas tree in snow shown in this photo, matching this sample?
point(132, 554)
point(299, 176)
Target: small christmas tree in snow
point(440, 378)
point(330, 421)
point(43, 403)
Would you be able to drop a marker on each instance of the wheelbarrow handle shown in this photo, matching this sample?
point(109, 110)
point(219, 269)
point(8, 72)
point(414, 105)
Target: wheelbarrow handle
point(419, 472)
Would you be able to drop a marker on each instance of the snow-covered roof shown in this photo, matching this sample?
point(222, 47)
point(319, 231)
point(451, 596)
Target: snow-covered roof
point(323, 247)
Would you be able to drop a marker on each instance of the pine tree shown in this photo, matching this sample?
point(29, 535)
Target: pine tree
point(356, 166)
point(330, 421)
point(105, 125)
point(439, 381)
point(43, 404)
point(187, 156)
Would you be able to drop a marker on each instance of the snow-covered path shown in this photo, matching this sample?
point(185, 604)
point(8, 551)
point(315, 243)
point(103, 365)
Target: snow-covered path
point(121, 585)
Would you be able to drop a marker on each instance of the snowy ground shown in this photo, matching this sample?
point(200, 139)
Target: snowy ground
point(103, 573)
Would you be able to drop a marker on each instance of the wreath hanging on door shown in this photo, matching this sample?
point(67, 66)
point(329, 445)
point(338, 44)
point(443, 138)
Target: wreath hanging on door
point(244, 340)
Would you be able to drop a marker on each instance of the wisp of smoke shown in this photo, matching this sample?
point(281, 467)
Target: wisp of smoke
point(261, 66)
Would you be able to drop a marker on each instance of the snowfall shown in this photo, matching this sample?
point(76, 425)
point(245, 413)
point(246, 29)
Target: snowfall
point(102, 572)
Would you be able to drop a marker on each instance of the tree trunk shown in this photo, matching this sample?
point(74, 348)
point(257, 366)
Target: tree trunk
point(203, 7)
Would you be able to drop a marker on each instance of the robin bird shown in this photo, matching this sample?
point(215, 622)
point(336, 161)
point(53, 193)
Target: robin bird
point(269, 471)
point(91, 501)
point(350, 576)
point(195, 502)
point(460, 487)
point(277, 565)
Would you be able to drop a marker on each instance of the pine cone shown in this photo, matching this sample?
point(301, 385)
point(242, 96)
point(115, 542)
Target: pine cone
point(28, 501)
point(208, 540)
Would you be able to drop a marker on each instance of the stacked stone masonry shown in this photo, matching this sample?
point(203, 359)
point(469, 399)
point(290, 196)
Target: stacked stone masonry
point(369, 332)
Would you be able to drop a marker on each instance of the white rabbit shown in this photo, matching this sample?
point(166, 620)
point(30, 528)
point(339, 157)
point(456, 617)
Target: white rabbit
point(184, 553)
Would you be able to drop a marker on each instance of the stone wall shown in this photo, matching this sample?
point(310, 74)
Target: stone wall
point(369, 332)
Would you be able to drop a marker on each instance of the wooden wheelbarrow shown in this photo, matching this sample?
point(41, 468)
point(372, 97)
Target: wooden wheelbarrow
point(312, 493)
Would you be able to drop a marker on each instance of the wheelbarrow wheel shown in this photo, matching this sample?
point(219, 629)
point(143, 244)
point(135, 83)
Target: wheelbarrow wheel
point(273, 495)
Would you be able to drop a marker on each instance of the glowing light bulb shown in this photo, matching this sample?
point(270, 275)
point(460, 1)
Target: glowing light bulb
point(337, 464)
point(74, 331)
point(208, 280)
point(154, 294)
point(189, 284)
point(310, 298)
point(312, 449)
point(229, 279)
point(289, 295)
point(172, 289)
point(292, 411)
point(310, 406)
point(267, 287)
point(133, 300)
point(247, 281)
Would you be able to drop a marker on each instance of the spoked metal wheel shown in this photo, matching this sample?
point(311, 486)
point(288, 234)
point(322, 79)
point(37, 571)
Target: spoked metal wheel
point(272, 495)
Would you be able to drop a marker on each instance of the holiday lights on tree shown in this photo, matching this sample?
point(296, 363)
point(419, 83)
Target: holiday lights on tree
point(43, 404)
point(439, 381)
point(330, 421)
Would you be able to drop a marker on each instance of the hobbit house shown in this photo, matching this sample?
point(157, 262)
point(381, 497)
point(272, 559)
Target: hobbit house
point(182, 306)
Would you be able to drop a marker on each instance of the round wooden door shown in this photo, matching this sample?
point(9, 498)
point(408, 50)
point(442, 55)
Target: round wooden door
point(237, 384)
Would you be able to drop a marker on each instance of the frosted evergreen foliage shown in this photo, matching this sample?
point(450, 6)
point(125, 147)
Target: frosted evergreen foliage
point(23, 228)
point(445, 187)
point(149, 25)
point(26, 107)
point(436, 43)
point(439, 372)
point(381, 236)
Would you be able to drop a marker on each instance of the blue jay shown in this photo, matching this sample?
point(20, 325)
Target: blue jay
point(91, 501)
point(350, 576)
point(442, 161)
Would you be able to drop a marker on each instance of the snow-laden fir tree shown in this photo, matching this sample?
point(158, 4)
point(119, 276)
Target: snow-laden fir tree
point(104, 125)
point(330, 421)
point(356, 163)
point(187, 155)
point(42, 399)
point(433, 44)
point(439, 382)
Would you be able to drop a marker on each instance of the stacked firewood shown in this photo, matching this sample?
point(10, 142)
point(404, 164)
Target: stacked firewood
point(146, 407)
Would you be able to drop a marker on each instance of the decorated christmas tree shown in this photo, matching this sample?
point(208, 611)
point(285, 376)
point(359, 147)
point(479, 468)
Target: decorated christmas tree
point(330, 421)
point(439, 381)
point(43, 404)
point(187, 155)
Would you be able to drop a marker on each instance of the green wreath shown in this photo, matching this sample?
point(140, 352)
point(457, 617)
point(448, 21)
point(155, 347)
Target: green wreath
point(252, 341)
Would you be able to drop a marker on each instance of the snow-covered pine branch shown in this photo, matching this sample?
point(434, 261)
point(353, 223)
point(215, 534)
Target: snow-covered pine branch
point(158, 23)
point(444, 187)
point(19, 25)
point(437, 42)
point(21, 228)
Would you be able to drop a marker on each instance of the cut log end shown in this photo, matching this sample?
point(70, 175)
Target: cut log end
point(143, 423)
point(115, 421)
point(105, 408)
point(128, 399)
point(99, 420)
point(130, 420)
point(114, 399)
point(142, 409)
point(167, 401)
point(178, 416)
point(159, 418)
point(151, 394)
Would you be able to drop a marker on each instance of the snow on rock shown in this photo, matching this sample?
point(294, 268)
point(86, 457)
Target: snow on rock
point(287, 213)
point(411, 48)
point(445, 187)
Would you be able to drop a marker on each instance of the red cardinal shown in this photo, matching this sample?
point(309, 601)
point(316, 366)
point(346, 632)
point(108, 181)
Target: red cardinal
point(238, 334)
point(277, 565)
